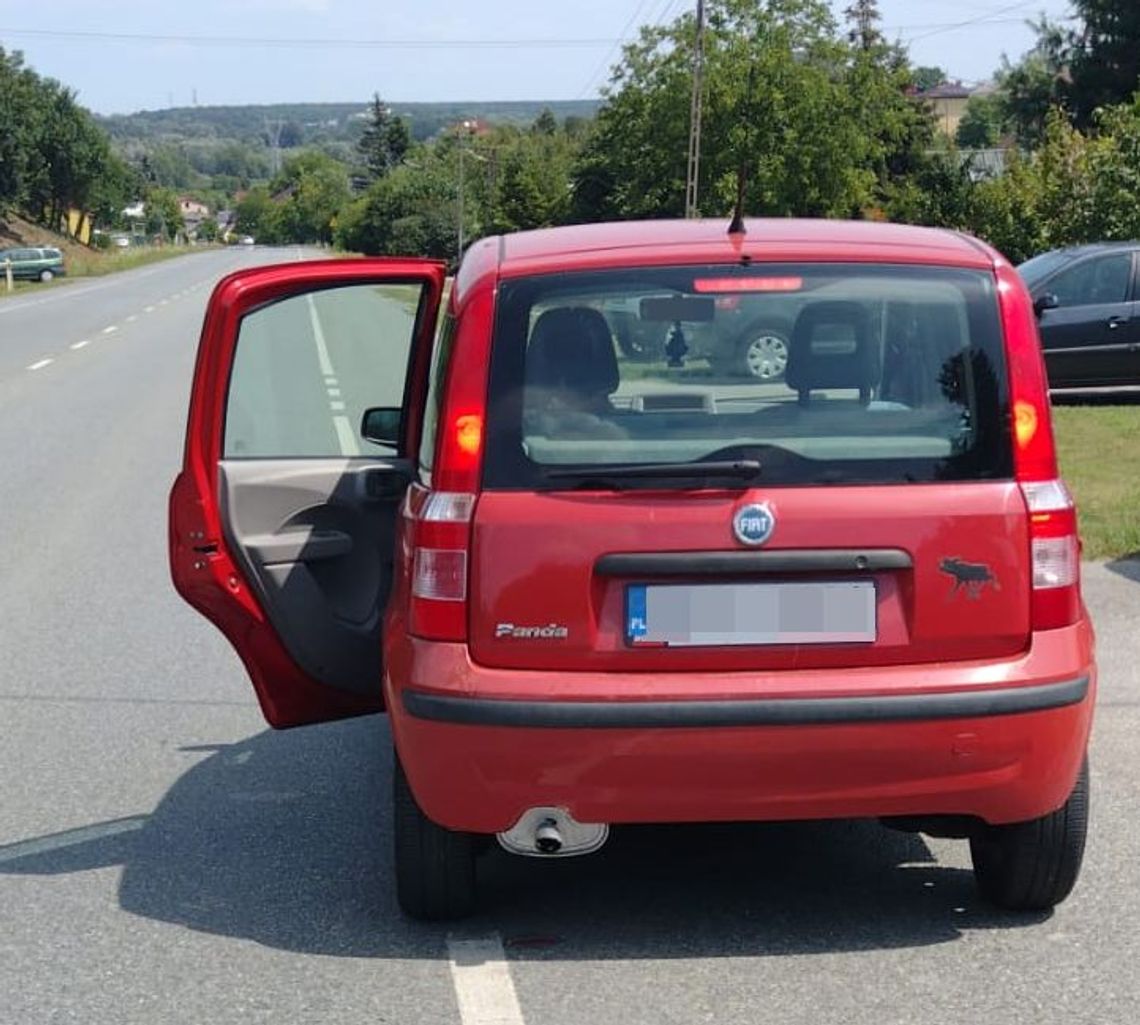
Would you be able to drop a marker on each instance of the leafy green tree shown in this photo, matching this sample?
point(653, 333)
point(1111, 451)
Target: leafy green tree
point(312, 189)
point(163, 214)
point(410, 211)
point(256, 215)
point(816, 126)
point(981, 125)
point(927, 77)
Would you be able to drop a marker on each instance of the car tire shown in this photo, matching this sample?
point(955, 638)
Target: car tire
point(46, 276)
point(1030, 866)
point(435, 867)
point(762, 354)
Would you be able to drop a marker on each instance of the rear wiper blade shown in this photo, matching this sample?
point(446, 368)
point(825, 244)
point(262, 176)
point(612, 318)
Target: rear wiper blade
point(632, 471)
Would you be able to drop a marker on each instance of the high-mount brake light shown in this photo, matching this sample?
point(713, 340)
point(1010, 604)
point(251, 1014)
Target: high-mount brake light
point(721, 285)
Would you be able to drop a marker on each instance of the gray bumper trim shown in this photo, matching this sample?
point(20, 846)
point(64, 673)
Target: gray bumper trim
point(768, 712)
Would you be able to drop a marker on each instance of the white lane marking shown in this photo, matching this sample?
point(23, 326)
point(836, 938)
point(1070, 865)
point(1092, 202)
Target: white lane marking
point(80, 345)
point(319, 338)
point(110, 330)
point(163, 302)
point(346, 436)
point(482, 980)
point(331, 382)
point(41, 364)
point(334, 393)
point(132, 318)
point(149, 309)
point(336, 407)
point(70, 838)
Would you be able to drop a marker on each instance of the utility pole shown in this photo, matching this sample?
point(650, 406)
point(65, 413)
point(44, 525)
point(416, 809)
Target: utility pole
point(693, 178)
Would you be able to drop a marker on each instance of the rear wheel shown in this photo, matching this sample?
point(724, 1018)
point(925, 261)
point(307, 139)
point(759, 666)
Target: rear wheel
point(46, 275)
point(1030, 866)
point(762, 354)
point(435, 867)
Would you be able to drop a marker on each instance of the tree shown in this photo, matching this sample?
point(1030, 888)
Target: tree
point(772, 79)
point(1082, 69)
point(927, 77)
point(981, 125)
point(864, 18)
point(311, 190)
point(385, 141)
point(1104, 57)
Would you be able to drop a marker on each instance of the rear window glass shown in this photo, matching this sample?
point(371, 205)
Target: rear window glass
point(822, 374)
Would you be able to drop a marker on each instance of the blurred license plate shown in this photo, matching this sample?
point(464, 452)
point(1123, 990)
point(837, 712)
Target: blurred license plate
point(682, 615)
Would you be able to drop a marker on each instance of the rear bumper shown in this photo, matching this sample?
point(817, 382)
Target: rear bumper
point(1002, 740)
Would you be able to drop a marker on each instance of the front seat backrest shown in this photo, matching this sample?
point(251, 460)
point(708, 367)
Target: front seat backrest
point(831, 347)
point(570, 359)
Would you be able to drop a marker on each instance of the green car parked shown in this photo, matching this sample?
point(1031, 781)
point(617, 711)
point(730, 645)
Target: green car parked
point(39, 263)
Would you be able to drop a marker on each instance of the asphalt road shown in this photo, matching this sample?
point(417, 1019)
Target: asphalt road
point(164, 858)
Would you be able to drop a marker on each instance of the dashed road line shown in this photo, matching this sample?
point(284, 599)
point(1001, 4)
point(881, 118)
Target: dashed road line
point(334, 393)
point(40, 364)
point(482, 981)
point(149, 309)
point(319, 338)
point(346, 436)
point(80, 345)
point(132, 318)
point(111, 330)
point(336, 407)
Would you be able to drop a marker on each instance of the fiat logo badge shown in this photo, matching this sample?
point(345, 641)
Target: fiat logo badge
point(753, 524)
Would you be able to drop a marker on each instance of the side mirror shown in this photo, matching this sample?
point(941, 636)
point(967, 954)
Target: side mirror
point(382, 425)
point(1047, 301)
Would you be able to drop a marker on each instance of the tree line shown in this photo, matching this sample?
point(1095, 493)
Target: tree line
point(53, 157)
point(804, 115)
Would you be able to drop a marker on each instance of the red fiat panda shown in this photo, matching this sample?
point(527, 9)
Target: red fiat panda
point(593, 588)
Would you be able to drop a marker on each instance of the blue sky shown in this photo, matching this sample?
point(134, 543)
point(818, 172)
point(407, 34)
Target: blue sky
point(122, 75)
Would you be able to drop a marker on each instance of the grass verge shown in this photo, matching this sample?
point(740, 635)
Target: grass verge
point(1099, 448)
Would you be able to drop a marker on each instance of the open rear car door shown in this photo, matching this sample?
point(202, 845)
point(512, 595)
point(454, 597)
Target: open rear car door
point(283, 517)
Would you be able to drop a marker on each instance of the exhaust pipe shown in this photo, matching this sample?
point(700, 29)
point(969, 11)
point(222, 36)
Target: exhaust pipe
point(553, 833)
point(547, 838)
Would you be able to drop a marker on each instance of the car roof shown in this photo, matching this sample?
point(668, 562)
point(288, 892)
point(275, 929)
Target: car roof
point(632, 243)
point(1095, 247)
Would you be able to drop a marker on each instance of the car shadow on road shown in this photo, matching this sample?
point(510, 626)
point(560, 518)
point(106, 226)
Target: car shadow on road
point(1127, 567)
point(283, 839)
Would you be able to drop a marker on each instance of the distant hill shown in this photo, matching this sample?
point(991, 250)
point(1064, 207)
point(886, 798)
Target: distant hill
point(305, 124)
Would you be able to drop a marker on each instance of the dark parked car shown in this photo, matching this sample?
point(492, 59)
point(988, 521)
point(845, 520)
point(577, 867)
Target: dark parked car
point(1087, 301)
point(38, 263)
point(749, 339)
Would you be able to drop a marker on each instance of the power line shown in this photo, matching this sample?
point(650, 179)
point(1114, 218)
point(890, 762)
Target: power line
point(605, 61)
point(315, 44)
point(982, 18)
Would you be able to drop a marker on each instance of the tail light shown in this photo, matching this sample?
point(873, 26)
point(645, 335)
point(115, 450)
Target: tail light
point(440, 530)
point(1055, 554)
point(441, 534)
point(1055, 549)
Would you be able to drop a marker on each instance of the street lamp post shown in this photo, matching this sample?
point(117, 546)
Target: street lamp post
point(466, 130)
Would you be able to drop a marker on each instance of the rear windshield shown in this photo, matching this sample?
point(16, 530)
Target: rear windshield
point(821, 374)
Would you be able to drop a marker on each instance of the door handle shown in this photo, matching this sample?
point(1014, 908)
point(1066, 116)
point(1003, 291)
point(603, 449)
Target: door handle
point(1115, 322)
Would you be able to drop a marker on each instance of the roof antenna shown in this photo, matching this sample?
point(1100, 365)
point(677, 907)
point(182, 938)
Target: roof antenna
point(737, 225)
point(749, 134)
